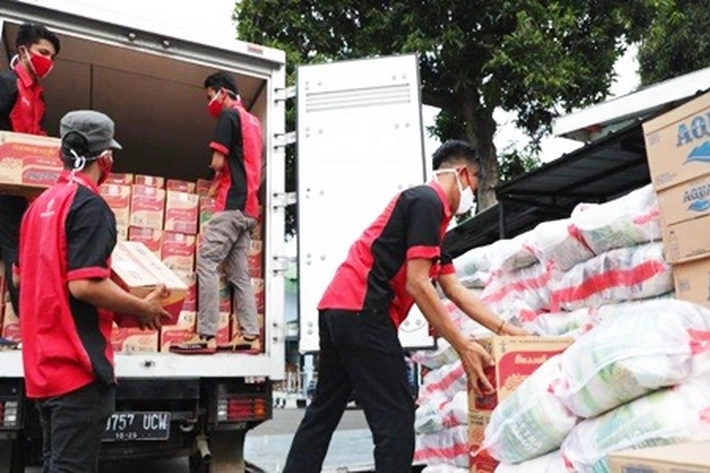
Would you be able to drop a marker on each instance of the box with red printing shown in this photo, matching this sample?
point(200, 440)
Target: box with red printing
point(225, 294)
point(147, 207)
point(515, 358)
point(480, 461)
point(133, 340)
point(180, 186)
point(190, 280)
point(28, 161)
point(137, 270)
point(256, 259)
point(258, 285)
point(181, 332)
point(203, 187)
point(119, 179)
point(181, 212)
point(150, 237)
point(178, 251)
point(224, 328)
point(257, 232)
point(118, 198)
point(208, 206)
point(122, 233)
point(150, 181)
point(10, 324)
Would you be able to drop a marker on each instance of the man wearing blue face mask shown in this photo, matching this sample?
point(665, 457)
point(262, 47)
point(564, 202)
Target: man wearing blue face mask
point(387, 270)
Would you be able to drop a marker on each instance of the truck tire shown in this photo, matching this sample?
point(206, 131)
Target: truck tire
point(227, 451)
point(11, 459)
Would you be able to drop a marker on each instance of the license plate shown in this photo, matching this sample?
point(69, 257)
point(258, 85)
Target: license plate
point(128, 426)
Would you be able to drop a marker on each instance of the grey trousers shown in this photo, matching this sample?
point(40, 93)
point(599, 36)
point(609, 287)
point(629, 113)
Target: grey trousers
point(226, 240)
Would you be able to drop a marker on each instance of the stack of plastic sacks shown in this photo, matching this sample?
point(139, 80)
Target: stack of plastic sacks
point(640, 379)
point(562, 278)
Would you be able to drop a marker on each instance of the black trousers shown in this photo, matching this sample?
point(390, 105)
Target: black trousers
point(72, 426)
point(12, 208)
point(358, 350)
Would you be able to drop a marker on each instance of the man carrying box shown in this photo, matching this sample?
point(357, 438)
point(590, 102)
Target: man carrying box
point(22, 111)
point(66, 240)
point(388, 270)
point(237, 146)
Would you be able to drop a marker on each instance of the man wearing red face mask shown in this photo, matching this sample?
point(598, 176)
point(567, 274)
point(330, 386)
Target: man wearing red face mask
point(67, 237)
point(237, 147)
point(22, 111)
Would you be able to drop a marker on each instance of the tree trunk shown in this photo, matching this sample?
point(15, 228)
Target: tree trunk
point(480, 129)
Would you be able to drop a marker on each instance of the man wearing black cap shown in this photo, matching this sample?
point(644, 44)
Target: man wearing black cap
point(67, 298)
point(22, 111)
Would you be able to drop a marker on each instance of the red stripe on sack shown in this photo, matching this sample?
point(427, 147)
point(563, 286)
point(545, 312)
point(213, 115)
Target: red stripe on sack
point(646, 218)
point(575, 233)
point(518, 286)
point(457, 450)
point(604, 281)
point(699, 341)
point(446, 381)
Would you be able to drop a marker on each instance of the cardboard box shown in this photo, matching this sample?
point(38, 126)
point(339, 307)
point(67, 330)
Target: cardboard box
point(225, 294)
point(687, 241)
point(481, 462)
point(180, 186)
point(682, 458)
point(10, 324)
point(208, 207)
point(178, 251)
point(678, 143)
point(133, 340)
point(28, 161)
point(181, 212)
point(256, 259)
point(203, 187)
point(181, 332)
point(136, 269)
point(224, 328)
point(150, 237)
point(122, 233)
point(119, 179)
point(692, 281)
point(258, 232)
point(516, 358)
point(685, 201)
point(118, 198)
point(150, 181)
point(190, 280)
point(258, 285)
point(147, 207)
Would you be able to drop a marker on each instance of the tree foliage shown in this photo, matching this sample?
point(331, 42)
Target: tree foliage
point(533, 57)
point(677, 43)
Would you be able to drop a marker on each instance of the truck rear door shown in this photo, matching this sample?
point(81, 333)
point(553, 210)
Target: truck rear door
point(360, 141)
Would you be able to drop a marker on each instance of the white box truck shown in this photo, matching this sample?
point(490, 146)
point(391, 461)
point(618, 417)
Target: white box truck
point(360, 140)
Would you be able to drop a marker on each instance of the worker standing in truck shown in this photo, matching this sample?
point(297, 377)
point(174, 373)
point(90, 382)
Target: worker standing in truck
point(67, 236)
point(237, 147)
point(387, 270)
point(22, 110)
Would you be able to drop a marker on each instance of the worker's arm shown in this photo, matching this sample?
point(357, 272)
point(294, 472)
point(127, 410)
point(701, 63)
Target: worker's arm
point(217, 163)
point(106, 294)
point(472, 306)
point(473, 356)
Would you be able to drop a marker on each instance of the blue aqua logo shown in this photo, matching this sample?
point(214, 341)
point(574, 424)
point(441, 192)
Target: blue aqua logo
point(697, 198)
point(697, 129)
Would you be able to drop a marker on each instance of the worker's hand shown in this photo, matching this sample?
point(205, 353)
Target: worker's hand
point(153, 313)
point(15, 280)
point(475, 359)
point(512, 330)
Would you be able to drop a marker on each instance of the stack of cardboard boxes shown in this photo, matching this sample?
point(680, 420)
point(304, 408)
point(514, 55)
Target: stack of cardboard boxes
point(516, 358)
point(169, 218)
point(28, 164)
point(678, 150)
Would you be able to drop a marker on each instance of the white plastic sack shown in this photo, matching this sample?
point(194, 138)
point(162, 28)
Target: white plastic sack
point(443, 354)
point(651, 347)
point(619, 275)
point(532, 421)
point(670, 416)
point(442, 468)
point(530, 285)
point(477, 260)
point(553, 324)
point(440, 413)
point(626, 221)
point(448, 447)
point(549, 463)
point(511, 254)
point(557, 242)
point(445, 381)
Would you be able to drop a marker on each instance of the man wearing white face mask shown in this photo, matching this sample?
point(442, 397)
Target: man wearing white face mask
point(22, 110)
point(387, 270)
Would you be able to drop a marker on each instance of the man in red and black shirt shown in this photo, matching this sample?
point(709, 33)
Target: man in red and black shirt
point(67, 236)
point(237, 147)
point(387, 270)
point(22, 111)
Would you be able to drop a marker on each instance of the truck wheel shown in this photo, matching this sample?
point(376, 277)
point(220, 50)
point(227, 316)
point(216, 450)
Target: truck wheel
point(227, 451)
